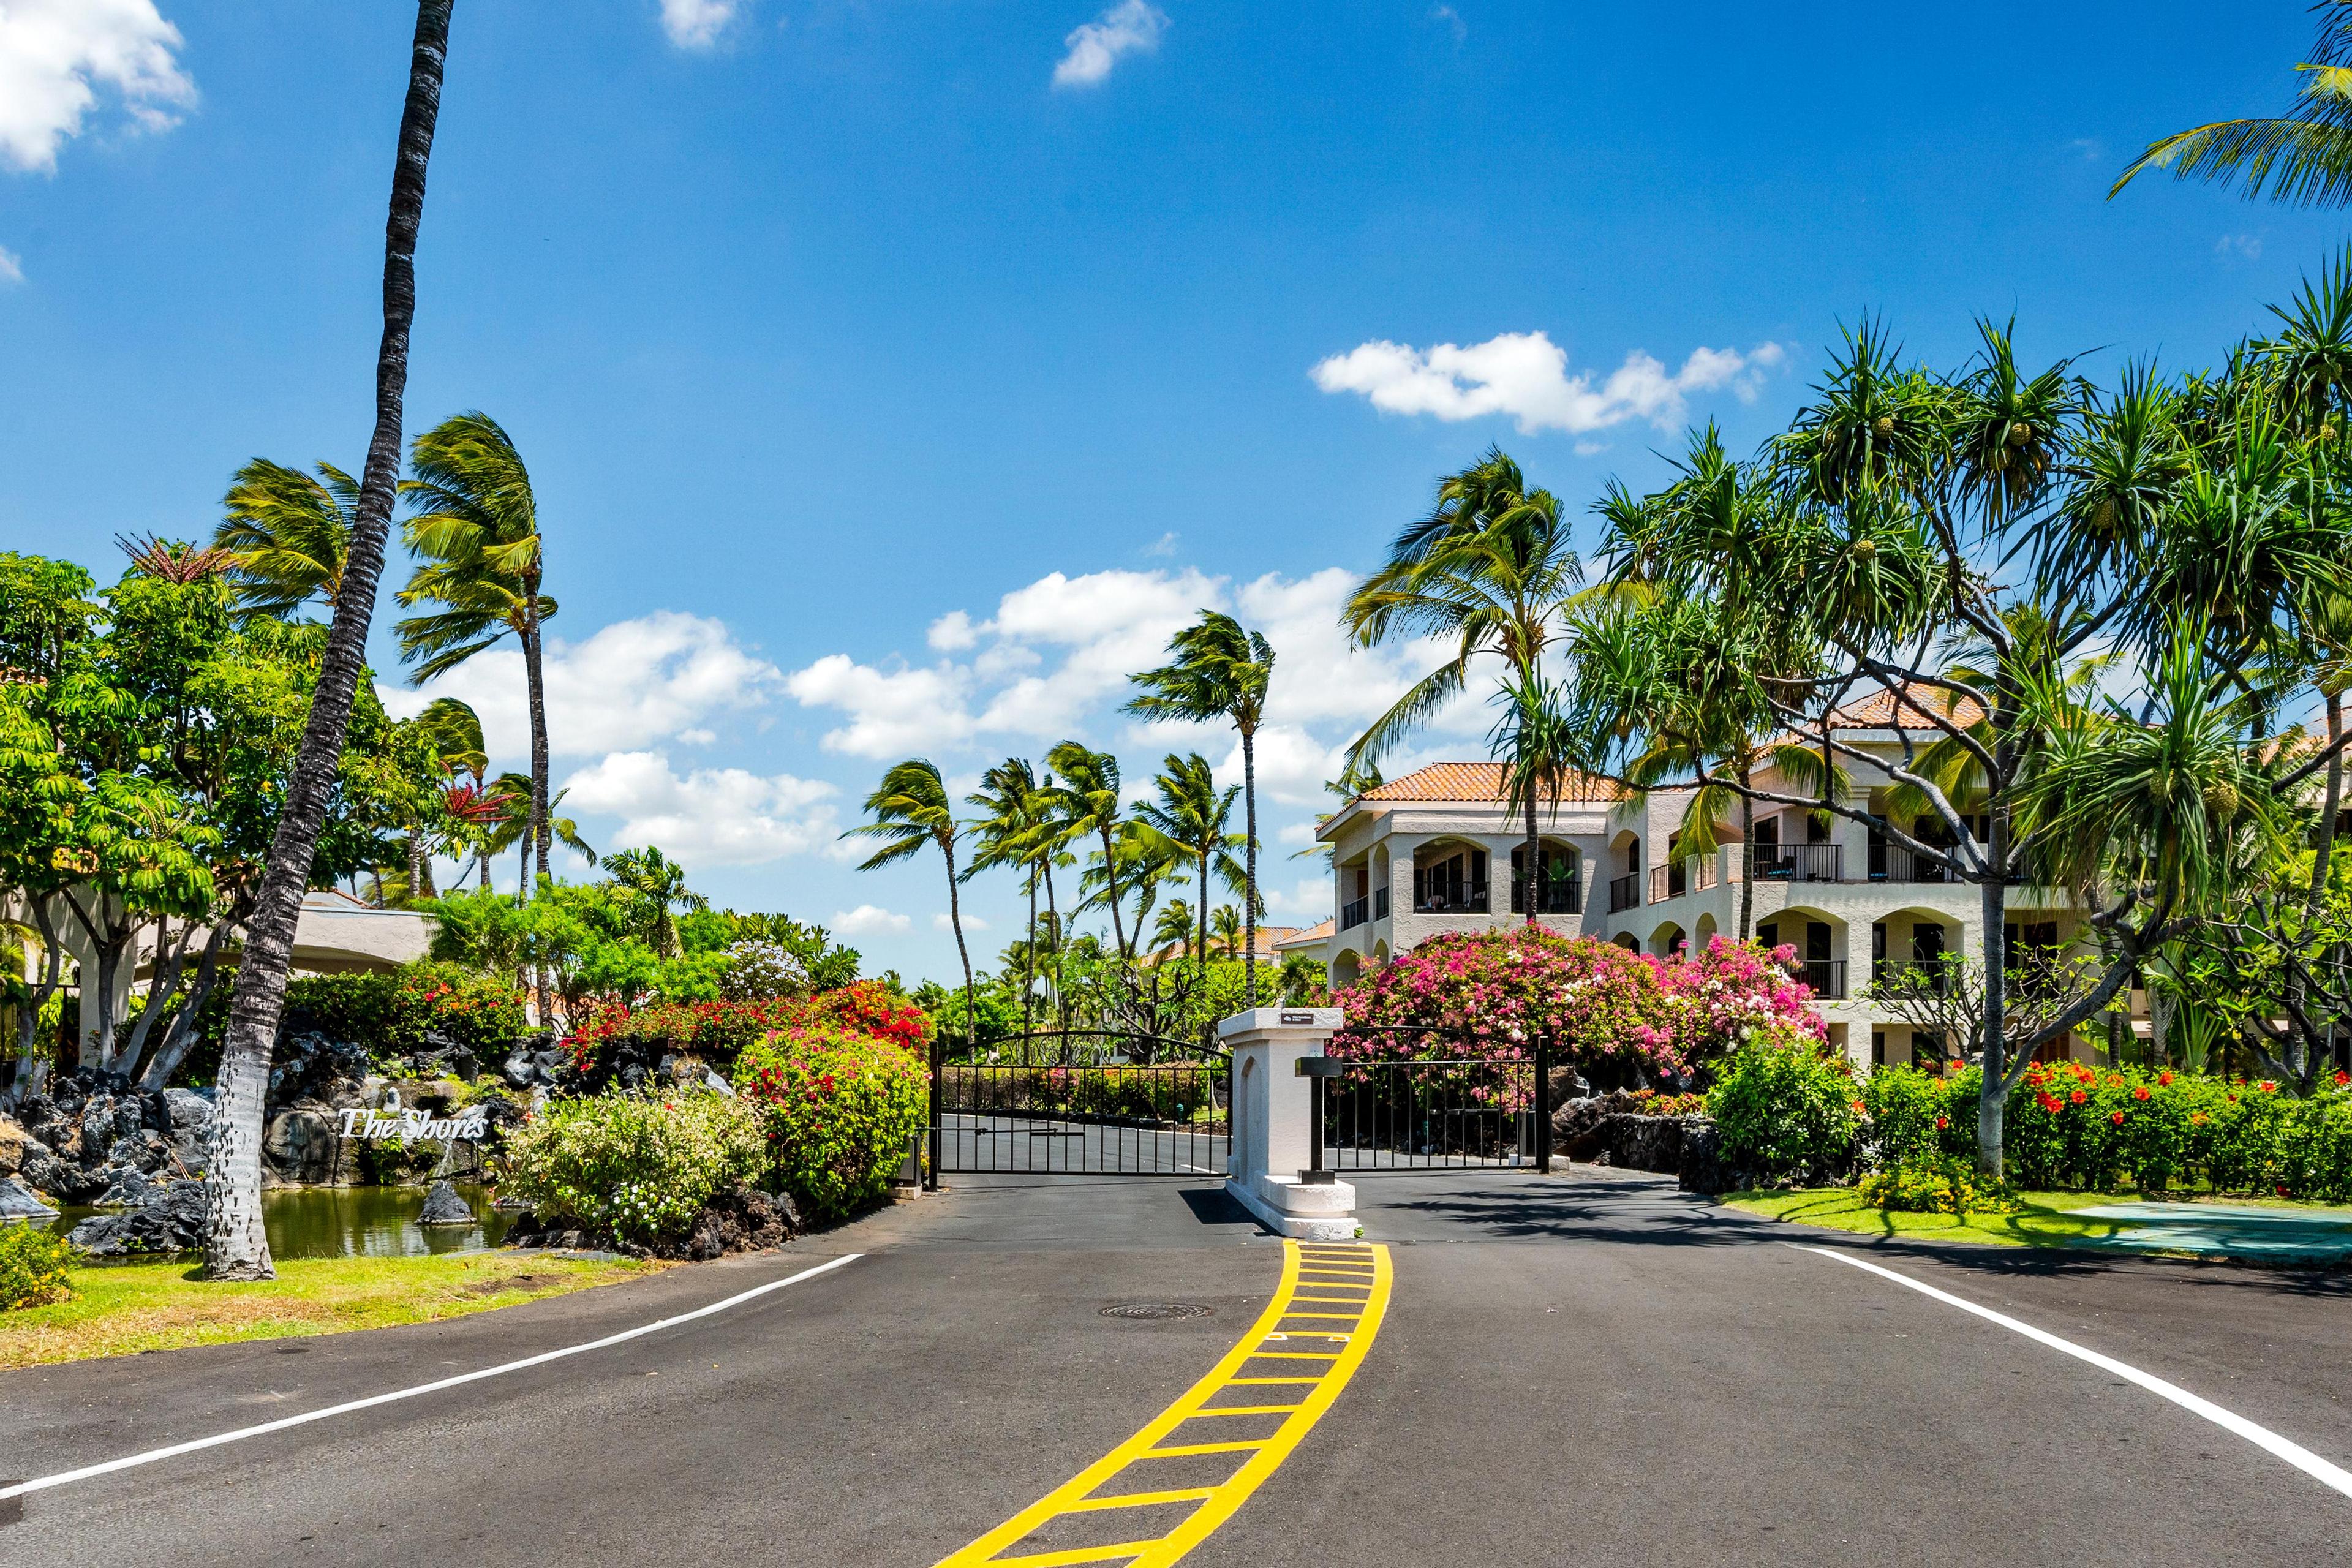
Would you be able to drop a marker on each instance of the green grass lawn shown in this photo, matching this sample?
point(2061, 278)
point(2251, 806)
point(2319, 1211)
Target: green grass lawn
point(2044, 1220)
point(119, 1309)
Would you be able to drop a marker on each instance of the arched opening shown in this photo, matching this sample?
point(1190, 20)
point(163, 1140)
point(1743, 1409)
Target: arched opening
point(1817, 943)
point(1626, 940)
point(1355, 894)
point(1917, 953)
point(1669, 942)
point(1380, 955)
point(1560, 878)
point(1449, 878)
point(1624, 871)
point(1346, 969)
point(1706, 932)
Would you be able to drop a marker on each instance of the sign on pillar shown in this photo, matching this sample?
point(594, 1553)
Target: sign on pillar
point(1275, 1168)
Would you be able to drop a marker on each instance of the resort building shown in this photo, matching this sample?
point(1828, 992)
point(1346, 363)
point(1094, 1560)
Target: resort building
point(1438, 850)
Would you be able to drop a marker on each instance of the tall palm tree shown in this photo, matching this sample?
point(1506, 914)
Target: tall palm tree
point(1225, 930)
point(1016, 816)
point(454, 732)
point(513, 829)
point(2303, 158)
point(475, 528)
point(1545, 756)
point(1085, 805)
point(658, 883)
point(235, 1248)
point(911, 812)
point(1192, 817)
point(1218, 671)
point(289, 535)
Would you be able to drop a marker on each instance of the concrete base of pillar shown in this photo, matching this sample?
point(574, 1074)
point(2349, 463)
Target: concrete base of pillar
point(1287, 1207)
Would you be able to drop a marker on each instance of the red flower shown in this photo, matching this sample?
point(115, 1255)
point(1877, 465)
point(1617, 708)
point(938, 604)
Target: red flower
point(2118, 1118)
point(2269, 1087)
point(2077, 1098)
point(2344, 1080)
point(1942, 1123)
point(2165, 1077)
point(2141, 1093)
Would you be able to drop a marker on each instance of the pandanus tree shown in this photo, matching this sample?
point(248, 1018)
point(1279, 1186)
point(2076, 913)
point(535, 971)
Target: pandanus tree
point(236, 1248)
point(912, 812)
point(1218, 671)
point(287, 535)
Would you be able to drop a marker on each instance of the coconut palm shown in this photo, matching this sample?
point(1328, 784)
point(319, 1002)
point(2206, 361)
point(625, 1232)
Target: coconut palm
point(288, 534)
point(911, 813)
point(1174, 928)
point(658, 883)
point(1015, 821)
point(1085, 805)
point(235, 1248)
point(474, 527)
point(1191, 817)
point(1218, 671)
point(2303, 158)
point(1225, 932)
point(513, 828)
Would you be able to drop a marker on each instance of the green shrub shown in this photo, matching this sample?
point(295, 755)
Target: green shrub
point(639, 1167)
point(1139, 1094)
point(32, 1267)
point(1783, 1110)
point(1934, 1183)
point(842, 1108)
point(1911, 1115)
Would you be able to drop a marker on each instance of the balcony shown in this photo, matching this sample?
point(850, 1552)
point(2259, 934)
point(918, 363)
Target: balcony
point(1894, 863)
point(1438, 901)
point(1668, 881)
point(1796, 862)
point(1355, 912)
point(1826, 975)
point(1380, 903)
point(1912, 977)
point(1625, 891)
point(1554, 896)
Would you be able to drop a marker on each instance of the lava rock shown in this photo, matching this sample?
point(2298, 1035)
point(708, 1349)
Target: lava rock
point(443, 1206)
point(304, 1145)
point(127, 1186)
point(168, 1220)
point(19, 1201)
point(68, 1180)
point(12, 1140)
point(1703, 1167)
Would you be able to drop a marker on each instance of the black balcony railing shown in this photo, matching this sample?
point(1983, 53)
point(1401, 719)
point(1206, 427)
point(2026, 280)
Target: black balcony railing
point(1625, 891)
point(1438, 902)
point(1894, 863)
point(1796, 862)
point(1355, 912)
point(1826, 975)
point(1554, 896)
point(1380, 903)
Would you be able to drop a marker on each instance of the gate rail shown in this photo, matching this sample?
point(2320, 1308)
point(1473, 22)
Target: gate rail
point(1034, 1104)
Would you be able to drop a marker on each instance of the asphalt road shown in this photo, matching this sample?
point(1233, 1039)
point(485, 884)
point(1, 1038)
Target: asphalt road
point(1583, 1369)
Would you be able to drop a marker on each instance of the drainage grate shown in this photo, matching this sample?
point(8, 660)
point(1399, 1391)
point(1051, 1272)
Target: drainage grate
point(1156, 1311)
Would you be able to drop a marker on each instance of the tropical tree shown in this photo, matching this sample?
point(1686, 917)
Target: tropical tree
point(1015, 822)
point(236, 1248)
point(1085, 804)
point(513, 828)
point(287, 535)
point(911, 813)
point(1545, 756)
point(653, 889)
point(1218, 671)
point(474, 525)
point(1174, 929)
point(1225, 931)
point(1191, 817)
point(2303, 158)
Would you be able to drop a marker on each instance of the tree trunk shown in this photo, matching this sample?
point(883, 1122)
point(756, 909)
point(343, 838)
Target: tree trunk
point(1992, 1091)
point(1029, 954)
point(1110, 880)
point(1053, 918)
point(1249, 896)
point(484, 860)
point(541, 830)
point(1747, 857)
point(955, 918)
point(1200, 949)
point(1528, 878)
point(236, 1248)
point(182, 1035)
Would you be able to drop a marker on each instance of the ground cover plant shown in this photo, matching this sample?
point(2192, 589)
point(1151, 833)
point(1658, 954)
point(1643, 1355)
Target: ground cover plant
point(32, 1267)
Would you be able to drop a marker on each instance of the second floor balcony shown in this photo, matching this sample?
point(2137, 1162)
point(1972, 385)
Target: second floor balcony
point(1625, 891)
point(1554, 896)
point(1355, 912)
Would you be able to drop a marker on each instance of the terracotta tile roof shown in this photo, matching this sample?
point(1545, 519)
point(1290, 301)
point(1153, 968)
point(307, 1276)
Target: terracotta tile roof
point(1875, 709)
point(1313, 933)
point(1479, 781)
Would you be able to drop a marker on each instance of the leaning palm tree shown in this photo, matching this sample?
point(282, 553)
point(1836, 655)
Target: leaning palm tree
point(1015, 813)
point(475, 528)
point(911, 812)
point(1218, 671)
point(235, 1248)
point(1192, 817)
point(289, 535)
point(452, 732)
point(2303, 158)
point(659, 884)
point(1085, 805)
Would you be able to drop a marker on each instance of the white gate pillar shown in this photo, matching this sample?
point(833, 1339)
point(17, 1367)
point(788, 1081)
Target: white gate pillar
point(1272, 1110)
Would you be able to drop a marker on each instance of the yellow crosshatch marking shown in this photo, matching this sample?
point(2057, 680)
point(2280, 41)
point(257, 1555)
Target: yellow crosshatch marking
point(1193, 1512)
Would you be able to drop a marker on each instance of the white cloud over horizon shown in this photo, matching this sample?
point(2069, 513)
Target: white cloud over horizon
point(57, 56)
point(869, 920)
point(698, 24)
point(706, 816)
point(1129, 27)
point(1524, 375)
point(12, 266)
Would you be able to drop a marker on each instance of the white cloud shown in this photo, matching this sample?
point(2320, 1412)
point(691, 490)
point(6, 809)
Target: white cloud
point(656, 678)
point(892, 713)
point(697, 23)
point(711, 816)
point(1128, 27)
point(2247, 246)
point(953, 633)
point(55, 55)
point(1164, 545)
point(869, 920)
point(12, 266)
point(1453, 20)
point(1524, 375)
point(971, 922)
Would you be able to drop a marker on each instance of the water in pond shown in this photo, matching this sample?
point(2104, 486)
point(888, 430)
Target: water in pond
point(359, 1222)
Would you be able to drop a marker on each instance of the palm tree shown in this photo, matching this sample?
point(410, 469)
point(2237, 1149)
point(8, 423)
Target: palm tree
point(514, 828)
point(1085, 805)
point(475, 529)
point(449, 726)
point(910, 812)
point(2303, 158)
point(1217, 670)
point(1016, 817)
point(659, 884)
point(1174, 928)
point(1191, 817)
point(289, 534)
point(235, 1248)
point(1225, 929)
point(1545, 756)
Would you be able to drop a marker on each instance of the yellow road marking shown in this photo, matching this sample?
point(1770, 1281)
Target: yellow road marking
point(1212, 1505)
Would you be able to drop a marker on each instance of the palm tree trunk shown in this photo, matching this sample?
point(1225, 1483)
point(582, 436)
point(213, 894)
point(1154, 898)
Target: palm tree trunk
point(1111, 879)
point(1053, 918)
point(483, 860)
point(1747, 856)
point(1029, 953)
point(1249, 848)
point(1528, 880)
point(1992, 1093)
point(955, 918)
point(541, 826)
point(234, 1245)
point(417, 887)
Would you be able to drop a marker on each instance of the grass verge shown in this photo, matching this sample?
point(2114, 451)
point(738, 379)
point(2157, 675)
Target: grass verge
point(120, 1309)
point(2043, 1219)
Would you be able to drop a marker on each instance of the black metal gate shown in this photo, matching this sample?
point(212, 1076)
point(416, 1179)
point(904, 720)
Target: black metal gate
point(1394, 1115)
point(1090, 1102)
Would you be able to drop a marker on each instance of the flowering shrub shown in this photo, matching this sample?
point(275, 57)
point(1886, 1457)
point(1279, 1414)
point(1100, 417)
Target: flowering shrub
point(1650, 1102)
point(32, 1267)
point(636, 1166)
point(720, 1030)
point(841, 1108)
point(1485, 995)
point(1717, 998)
point(391, 1014)
point(1783, 1110)
point(1935, 1183)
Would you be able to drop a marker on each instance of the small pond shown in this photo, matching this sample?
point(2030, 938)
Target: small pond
point(359, 1222)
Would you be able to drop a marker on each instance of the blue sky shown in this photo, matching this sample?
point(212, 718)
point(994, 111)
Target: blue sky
point(893, 376)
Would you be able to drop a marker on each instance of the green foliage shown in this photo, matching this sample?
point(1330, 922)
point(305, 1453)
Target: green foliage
point(637, 1166)
point(842, 1108)
point(1784, 1110)
point(1935, 1184)
point(32, 1265)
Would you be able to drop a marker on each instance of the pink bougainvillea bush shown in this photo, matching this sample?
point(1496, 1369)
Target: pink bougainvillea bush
point(1485, 995)
point(1717, 999)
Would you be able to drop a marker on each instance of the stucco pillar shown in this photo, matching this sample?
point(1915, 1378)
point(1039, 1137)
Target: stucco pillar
point(1274, 1110)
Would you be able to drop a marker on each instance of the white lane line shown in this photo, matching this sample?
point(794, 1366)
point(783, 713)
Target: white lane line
point(2295, 1454)
point(218, 1439)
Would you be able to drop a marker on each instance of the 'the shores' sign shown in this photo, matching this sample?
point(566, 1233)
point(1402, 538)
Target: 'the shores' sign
point(415, 1122)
